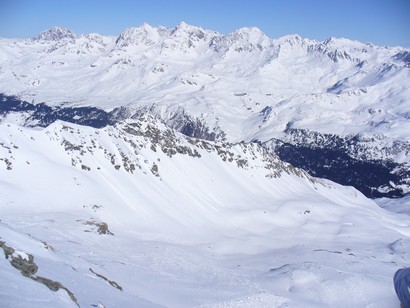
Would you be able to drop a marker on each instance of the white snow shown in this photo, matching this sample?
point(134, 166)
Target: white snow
point(336, 86)
point(228, 225)
point(20, 254)
point(204, 233)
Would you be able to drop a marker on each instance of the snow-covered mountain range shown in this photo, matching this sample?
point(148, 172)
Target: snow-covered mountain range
point(175, 168)
point(300, 97)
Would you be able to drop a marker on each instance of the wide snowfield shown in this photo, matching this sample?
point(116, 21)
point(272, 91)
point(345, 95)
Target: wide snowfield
point(190, 232)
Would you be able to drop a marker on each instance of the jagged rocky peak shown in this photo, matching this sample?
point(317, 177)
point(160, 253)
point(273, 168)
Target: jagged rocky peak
point(142, 35)
point(249, 34)
point(192, 32)
point(342, 49)
point(94, 37)
point(344, 43)
point(185, 37)
point(183, 26)
point(292, 39)
point(244, 39)
point(56, 34)
point(403, 56)
point(330, 41)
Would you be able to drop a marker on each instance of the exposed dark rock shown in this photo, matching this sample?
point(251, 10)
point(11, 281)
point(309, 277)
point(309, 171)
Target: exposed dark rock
point(102, 227)
point(348, 161)
point(56, 34)
point(28, 268)
point(111, 282)
point(44, 115)
point(154, 170)
point(190, 126)
point(403, 56)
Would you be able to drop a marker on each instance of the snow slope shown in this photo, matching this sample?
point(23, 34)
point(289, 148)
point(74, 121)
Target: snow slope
point(139, 215)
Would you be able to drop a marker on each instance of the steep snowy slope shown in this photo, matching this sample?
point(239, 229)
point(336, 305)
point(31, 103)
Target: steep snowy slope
point(139, 215)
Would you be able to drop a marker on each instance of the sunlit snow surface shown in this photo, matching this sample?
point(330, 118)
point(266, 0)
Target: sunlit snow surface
point(337, 86)
point(192, 232)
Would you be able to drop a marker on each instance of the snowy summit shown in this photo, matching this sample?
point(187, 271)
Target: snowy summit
point(56, 34)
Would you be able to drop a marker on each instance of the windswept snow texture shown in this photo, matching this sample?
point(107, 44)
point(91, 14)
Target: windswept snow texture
point(136, 215)
point(241, 86)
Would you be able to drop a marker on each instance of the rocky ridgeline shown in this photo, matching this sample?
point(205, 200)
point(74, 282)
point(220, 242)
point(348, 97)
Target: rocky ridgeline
point(125, 145)
point(367, 163)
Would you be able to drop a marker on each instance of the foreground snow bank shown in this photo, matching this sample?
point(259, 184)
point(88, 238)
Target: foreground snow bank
point(211, 225)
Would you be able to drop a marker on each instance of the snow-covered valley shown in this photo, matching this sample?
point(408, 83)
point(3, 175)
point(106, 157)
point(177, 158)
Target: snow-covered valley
point(149, 170)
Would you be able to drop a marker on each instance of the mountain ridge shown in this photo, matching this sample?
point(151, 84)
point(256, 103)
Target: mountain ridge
point(241, 86)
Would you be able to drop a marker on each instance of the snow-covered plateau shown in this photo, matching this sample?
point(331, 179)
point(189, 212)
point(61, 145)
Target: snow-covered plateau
point(152, 170)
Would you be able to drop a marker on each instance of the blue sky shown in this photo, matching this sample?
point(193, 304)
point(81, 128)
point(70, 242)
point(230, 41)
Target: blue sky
point(382, 22)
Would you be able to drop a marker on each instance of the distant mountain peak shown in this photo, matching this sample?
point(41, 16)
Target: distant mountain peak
point(146, 27)
point(144, 34)
point(338, 42)
point(292, 39)
point(56, 34)
point(186, 31)
point(243, 39)
point(184, 25)
point(251, 33)
point(255, 30)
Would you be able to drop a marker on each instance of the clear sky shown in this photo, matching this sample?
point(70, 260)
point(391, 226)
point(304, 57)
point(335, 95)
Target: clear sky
point(381, 22)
